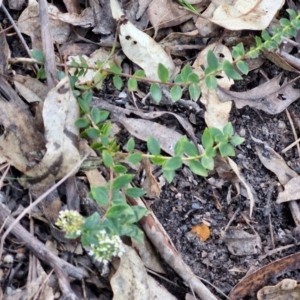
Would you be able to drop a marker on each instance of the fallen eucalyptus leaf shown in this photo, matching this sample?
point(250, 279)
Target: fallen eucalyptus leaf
point(270, 96)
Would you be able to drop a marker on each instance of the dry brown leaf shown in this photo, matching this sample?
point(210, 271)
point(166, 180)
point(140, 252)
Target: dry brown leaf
point(204, 25)
point(169, 13)
point(21, 143)
point(270, 96)
point(243, 181)
point(158, 291)
point(274, 162)
point(130, 280)
point(142, 129)
point(240, 242)
point(291, 191)
point(31, 89)
point(60, 112)
point(217, 113)
point(279, 61)
point(245, 14)
point(85, 19)
point(287, 289)
point(140, 47)
point(251, 283)
point(148, 255)
point(29, 24)
point(180, 44)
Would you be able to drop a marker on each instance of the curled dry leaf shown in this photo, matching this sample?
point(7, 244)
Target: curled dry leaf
point(240, 242)
point(251, 283)
point(60, 112)
point(245, 14)
point(217, 113)
point(285, 289)
point(140, 47)
point(270, 96)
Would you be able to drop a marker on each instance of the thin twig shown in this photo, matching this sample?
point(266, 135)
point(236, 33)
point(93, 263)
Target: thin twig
point(37, 201)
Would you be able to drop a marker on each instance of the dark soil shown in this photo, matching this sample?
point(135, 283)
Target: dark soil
point(190, 200)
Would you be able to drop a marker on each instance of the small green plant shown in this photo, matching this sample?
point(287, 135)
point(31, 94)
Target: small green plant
point(102, 235)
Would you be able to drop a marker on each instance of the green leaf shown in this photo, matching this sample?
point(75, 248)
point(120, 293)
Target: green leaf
point(153, 145)
point(169, 175)
point(107, 159)
point(190, 148)
point(214, 132)
point(139, 73)
point(100, 195)
point(91, 221)
point(236, 140)
point(258, 41)
point(132, 84)
point(185, 72)
point(178, 79)
point(120, 169)
point(230, 71)
point(284, 22)
point(134, 192)
point(122, 181)
point(238, 51)
point(176, 93)
point(155, 92)
point(82, 122)
point(158, 160)
point(207, 162)
point(243, 67)
point(172, 164)
point(197, 168)
point(212, 60)
point(211, 82)
point(139, 211)
point(115, 69)
point(118, 211)
point(179, 146)
point(194, 91)
point(132, 231)
point(207, 140)
point(210, 152)
point(193, 78)
point(95, 114)
point(292, 13)
point(134, 158)
point(92, 133)
point(228, 129)
point(163, 73)
point(118, 83)
point(265, 35)
point(41, 73)
point(221, 138)
point(38, 55)
point(226, 150)
point(130, 145)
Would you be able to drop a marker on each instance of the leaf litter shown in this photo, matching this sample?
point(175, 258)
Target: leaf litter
point(43, 144)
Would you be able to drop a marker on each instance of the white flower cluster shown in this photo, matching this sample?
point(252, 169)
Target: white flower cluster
point(70, 221)
point(108, 246)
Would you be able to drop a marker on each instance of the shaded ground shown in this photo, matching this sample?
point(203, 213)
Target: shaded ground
point(190, 200)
